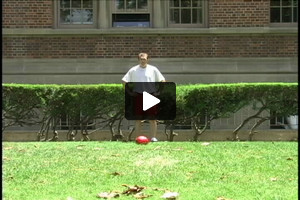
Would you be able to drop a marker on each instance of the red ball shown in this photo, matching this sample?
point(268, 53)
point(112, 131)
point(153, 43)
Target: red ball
point(142, 140)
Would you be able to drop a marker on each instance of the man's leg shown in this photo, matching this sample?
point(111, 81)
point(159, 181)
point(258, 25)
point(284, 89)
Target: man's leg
point(138, 127)
point(153, 128)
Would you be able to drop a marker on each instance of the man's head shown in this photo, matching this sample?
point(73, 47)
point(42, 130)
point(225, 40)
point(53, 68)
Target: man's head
point(143, 58)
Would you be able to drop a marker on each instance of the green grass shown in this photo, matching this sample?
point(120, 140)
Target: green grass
point(81, 170)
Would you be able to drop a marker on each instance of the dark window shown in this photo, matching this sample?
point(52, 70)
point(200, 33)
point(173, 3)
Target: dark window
point(131, 13)
point(134, 5)
point(284, 11)
point(277, 121)
point(66, 122)
point(186, 12)
point(131, 20)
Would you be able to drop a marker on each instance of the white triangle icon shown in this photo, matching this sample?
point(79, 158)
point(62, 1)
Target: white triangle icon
point(149, 101)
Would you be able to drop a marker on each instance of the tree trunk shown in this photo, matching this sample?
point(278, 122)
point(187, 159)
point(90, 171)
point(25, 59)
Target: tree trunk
point(199, 131)
point(251, 133)
point(235, 132)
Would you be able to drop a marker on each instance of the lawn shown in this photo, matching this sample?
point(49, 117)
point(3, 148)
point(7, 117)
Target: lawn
point(195, 170)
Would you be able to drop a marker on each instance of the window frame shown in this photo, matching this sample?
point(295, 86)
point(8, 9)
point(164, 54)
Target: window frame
point(283, 24)
point(114, 11)
point(65, 123)
point(79, 26)
point(113, 3)
point(191, 25)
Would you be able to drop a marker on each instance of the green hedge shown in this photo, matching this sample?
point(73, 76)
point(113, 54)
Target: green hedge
point(25, 104)
point(223, 100)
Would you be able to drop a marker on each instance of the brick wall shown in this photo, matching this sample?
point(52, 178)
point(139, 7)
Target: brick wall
point(27, 13)
point(222, 13)
point(239, 13)
point(158, 46)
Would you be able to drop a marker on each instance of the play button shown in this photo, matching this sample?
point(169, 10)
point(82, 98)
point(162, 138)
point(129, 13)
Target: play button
point(149, 101)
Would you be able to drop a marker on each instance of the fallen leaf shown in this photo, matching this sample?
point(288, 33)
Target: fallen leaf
point(223, 177)
point(289, 158)
point(160, 189)
point(80, 146)
point(7, 148)
point(141, 195)
point(170, 195)
point(178, 149)
point(222, 198)
point(5, 158)
point(205, 144)
point(42, 182)
point(108, 195)
point(132, 189)
point(273, 179)
point(78, 169)
point(98, 148)
point(116, 174)
point(157, 148)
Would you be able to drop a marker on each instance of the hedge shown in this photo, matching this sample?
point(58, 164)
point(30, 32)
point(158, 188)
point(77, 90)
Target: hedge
point(26, 104)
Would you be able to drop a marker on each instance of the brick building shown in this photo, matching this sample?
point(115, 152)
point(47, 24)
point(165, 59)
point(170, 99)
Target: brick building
point(191, 41)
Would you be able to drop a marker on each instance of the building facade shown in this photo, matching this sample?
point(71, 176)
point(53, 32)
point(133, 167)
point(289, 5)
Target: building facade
point(190, 41)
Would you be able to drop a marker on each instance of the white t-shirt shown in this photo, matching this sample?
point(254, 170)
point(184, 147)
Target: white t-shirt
point(145, 75)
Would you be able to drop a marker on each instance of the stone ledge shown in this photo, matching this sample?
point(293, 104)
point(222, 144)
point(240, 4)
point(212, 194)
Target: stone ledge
point(255, 65)
point(153, 31)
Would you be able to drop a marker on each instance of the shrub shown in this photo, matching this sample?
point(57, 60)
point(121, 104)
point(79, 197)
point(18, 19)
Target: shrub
point(25, 104)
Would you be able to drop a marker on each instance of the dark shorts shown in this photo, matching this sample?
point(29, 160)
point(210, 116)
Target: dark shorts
point(151, 113)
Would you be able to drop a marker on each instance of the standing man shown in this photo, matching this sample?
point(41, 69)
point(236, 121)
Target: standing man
point(144, 73)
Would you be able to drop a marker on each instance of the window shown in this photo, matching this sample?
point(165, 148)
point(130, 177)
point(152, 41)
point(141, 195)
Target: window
point(65, 122)
point(131, 13)
point(278, 122)
point(284, 11)
point(184, 13)
point(131, 5)
point(76, 13)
